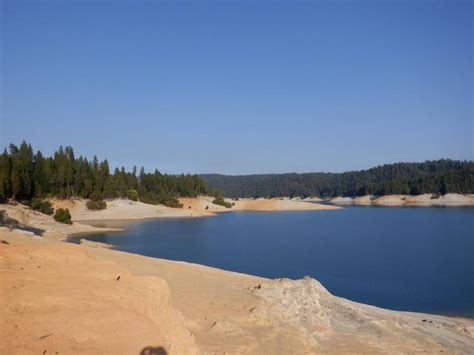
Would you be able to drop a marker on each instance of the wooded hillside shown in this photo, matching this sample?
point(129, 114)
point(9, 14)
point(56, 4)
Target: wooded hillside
point(438, 177)
point(25, 174)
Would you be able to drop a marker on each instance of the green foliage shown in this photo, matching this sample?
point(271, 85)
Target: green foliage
point(63, 216)
point(163, 200)
point(133, 195)
point(5, 172)
point(42, 206)
point(172, 202)
point(148, 200)
point(96, 196)
point(437, 177)
point(96, 205)
point(221, 202)
point(25, 175)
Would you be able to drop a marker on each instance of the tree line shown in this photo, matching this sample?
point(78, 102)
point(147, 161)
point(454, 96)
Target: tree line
point(436, 177)
point(25, 175)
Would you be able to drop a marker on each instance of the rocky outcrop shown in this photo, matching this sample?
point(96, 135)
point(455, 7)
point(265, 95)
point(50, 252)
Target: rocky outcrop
point(328, 322)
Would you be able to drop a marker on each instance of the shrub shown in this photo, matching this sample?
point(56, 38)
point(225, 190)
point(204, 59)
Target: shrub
point(63, 216)
point(148, 200)
point(133, 195)
point(96, 205)
point(42, 206)
point(95, 196)
point(207, 207)
point(172, 202)
point(221, 202)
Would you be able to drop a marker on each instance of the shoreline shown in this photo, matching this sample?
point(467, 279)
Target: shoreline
point(202, 206)
point(135, 301)
point(424, 200)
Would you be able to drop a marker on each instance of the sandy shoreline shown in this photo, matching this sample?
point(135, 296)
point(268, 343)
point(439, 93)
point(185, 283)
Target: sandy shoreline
point(122, 211)
point(202, 206)
point(84, 299)
point(426, 200)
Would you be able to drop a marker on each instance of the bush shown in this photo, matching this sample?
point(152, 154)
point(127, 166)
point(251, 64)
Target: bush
point(42, 206)
point(148, 200)
point(95, 196)
point(221, 202)
point(63, 216)
point(161, 200)
point(96, 205)
point(172, 202)
point(133, 195)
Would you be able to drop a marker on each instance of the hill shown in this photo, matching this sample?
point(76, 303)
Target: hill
point(437, 177)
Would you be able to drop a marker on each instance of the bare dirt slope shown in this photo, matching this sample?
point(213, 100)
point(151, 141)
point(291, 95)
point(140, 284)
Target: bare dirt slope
point(121, 209)
point(73, 299)
point(277, 204)
point(59, 298)
point(204, 203)
point(425, 200)
point(124, 209)
point(51, 229)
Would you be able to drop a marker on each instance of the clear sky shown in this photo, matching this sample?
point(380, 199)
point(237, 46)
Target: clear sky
point(240, 86)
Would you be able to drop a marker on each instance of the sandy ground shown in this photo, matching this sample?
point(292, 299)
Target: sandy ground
point(192, 207)
point(125, 209)
point(364, 200)
point(426, 200)
point(62, 298)
point(59, 298)
point(278, 205)
point(53, 230)
point(342, 200)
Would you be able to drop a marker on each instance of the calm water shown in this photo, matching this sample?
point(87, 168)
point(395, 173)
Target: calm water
point(414, 259)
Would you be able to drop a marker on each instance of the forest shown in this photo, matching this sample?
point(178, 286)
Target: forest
point(437, 177)
point(25, 175)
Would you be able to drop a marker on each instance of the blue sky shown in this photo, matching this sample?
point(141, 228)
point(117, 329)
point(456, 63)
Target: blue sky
point(240, 86)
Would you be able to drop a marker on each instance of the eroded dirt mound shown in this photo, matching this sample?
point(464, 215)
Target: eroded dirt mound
point(57, 298)
point(332, 323)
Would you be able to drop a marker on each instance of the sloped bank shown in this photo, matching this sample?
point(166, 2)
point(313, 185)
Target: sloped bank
point(426, 200)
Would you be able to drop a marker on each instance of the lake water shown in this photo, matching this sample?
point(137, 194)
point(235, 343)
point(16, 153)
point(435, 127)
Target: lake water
point(413, 259)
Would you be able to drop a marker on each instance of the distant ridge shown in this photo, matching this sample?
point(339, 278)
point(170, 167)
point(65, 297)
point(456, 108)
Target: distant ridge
point(436, 177)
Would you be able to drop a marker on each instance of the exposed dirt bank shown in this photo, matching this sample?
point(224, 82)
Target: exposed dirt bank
point(426, 200)
point(122, 209)
point(76, 299)
point(199, 205)
point(49, 228)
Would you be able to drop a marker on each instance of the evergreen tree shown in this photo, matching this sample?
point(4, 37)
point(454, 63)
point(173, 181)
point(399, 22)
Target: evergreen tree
point(24, 175)
point(40, 182)
point(15, 171)
point(5, 171)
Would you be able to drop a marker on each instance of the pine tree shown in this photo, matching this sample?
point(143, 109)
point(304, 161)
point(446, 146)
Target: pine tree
point(5, 171)
point(39, 177)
